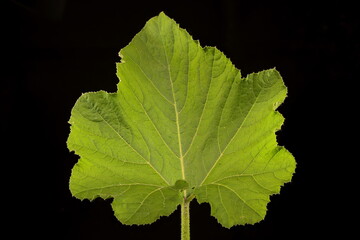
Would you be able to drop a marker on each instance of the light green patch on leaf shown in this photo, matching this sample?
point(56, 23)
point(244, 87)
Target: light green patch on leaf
point(183, 122)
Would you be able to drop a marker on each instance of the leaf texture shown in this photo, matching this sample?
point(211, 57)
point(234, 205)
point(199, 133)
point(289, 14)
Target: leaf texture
point(183, 122)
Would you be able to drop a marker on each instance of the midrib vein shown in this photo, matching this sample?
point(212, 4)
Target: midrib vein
point(181, 157)
point(176, 111)
point(179, 139)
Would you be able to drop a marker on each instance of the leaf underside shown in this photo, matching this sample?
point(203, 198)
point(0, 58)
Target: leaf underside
point(183, 121)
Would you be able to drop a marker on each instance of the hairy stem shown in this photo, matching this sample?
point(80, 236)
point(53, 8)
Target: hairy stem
point(185, 218)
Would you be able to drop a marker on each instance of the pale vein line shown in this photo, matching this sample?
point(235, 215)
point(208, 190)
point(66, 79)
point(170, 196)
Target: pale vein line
point(221, 154)
point(188, 69)
point(233, 191)
point(221, 200)
point(222, 110)
point(239, 175)
point(248, 175)
point(154, 58)
point(164, 199)
point(268, 162)
point(97, 150)
point(100, 136)
point(118, 185)
point(176, 111)
point(121, 193)
point(232, 176)
point(157, 130)
point(256, 181)
point(253, 159)
point(178, 129)
point(151, 82)
point(117, 117)
point(203, 110)
point(108, 155)
point(102, 193)
point(148, 162)
point(142, 203)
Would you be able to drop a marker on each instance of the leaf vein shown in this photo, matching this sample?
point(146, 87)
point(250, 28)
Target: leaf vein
point(221, 200)
point(118, 134)
point(117, 185)
point(175, 108)
point(234, 192)
point(142, 203)
point(203, 110)
point(151, 82)
point(157, 130)
point(240, 127)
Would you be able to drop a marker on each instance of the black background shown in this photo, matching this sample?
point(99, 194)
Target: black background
point(54, 50)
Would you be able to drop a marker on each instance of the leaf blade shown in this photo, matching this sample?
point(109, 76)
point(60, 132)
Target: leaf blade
point(182, 122)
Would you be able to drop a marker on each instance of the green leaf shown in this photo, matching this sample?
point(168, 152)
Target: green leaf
point(181, 184)
point(183, 122)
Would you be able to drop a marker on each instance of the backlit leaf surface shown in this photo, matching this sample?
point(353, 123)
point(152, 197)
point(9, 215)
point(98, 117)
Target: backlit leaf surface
point(183, 121)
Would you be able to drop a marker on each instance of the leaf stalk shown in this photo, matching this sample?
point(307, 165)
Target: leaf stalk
point(185, 218)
